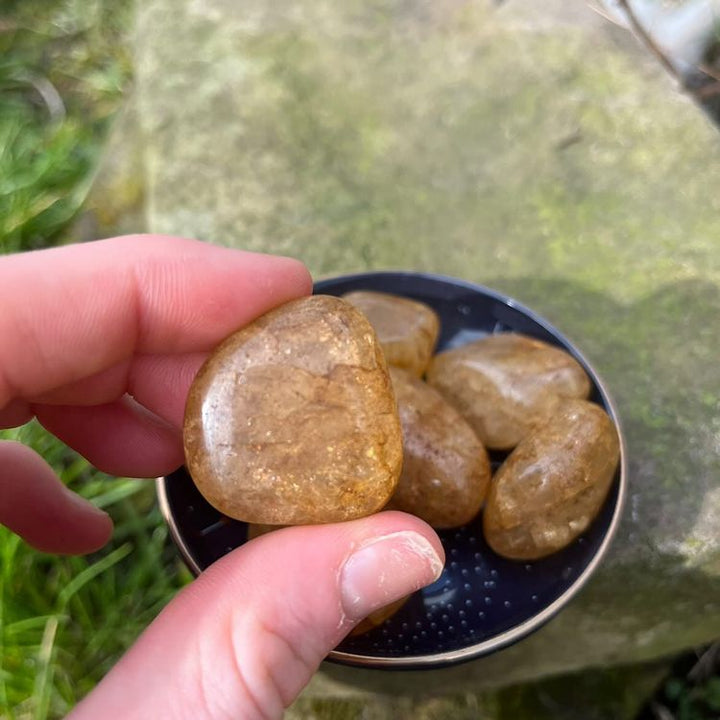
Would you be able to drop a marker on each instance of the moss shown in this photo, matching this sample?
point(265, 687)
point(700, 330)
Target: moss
point(612, 694)
point(330, 709)
point(398, 144)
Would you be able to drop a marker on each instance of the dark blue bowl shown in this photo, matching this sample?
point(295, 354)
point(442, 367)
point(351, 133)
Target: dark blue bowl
point(481, 602)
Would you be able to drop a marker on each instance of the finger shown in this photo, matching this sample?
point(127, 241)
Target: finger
point(120, 438)
point(39, 508)
point(244, 638)
point(97, 389)
point(15, 414)
point(105, 301)
point(159, 383)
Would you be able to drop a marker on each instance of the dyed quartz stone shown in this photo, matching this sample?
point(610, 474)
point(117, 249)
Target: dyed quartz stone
point(256, 530)
point(292, 420)
point(446, 471)
point(407, 329)
point(378, 617)
point(506, 384)
point(553, 484)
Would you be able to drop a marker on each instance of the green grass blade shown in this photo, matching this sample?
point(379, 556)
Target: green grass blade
point(44, 675)
point(33, 623)
point(124, 490)
point(91, 572)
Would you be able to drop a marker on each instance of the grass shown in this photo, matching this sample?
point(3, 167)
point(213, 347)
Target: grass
point(63, 69)
point(65, 620)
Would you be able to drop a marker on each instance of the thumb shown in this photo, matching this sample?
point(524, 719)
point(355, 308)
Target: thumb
point(246, 637)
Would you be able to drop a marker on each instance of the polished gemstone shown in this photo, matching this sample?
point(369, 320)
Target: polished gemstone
point(505, 384)
point(377, 618)
point(553, 484)
point(256, 530)
point(446, 470)
point(292, 420)
point(407, 329)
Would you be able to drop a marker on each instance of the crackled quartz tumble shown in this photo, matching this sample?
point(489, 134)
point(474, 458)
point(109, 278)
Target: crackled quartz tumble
point(292, 420)
point(506, 384)
point(446, 470)
point(553, 484)
point(407, 329)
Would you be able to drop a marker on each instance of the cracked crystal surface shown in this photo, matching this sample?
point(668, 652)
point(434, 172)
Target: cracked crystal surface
point(292, 420)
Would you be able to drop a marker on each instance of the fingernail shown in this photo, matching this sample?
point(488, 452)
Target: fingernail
point(386, 569)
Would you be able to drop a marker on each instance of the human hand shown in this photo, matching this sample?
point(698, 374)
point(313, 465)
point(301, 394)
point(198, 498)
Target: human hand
point(100, 342)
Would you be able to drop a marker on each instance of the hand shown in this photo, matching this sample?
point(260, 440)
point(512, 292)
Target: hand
point(100, 342)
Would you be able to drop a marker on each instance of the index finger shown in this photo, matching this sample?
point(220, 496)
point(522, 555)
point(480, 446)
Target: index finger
point(72, 312)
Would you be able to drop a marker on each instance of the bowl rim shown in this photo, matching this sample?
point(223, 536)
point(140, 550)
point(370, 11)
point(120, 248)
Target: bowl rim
point(525, 628)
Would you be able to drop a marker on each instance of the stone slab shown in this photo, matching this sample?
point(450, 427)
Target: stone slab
point(617, 693)
point(539, 153)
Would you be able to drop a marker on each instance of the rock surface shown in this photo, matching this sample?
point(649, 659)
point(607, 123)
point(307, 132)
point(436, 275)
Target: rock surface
point(446, 470)
point(553, 484)
point(531, 147)
point(506, 384)
point(292, 420)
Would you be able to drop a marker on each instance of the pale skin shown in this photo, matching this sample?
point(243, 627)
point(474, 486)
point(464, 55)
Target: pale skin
point(100, 342)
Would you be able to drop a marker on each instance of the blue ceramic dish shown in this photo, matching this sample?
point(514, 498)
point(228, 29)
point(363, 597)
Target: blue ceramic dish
point(481, 602)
